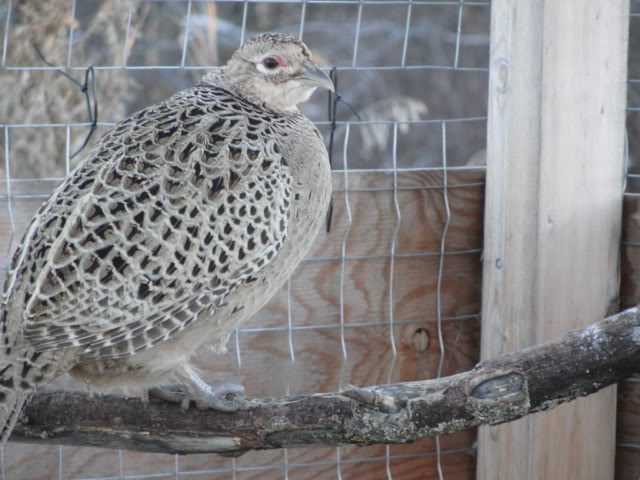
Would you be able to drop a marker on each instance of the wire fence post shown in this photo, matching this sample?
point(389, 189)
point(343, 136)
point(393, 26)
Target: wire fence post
point(553, 215)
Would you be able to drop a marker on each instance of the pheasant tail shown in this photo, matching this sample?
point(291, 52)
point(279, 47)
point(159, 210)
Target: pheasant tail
point(22, 371)
point(12, 403)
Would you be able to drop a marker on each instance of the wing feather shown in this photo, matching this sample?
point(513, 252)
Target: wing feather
point(169, 213)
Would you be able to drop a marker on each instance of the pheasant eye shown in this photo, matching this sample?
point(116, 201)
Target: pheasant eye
point(270, 63)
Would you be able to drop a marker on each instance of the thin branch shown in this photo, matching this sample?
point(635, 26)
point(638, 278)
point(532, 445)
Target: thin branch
point(495, 391)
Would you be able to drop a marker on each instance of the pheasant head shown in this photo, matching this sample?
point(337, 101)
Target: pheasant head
point(276, 69)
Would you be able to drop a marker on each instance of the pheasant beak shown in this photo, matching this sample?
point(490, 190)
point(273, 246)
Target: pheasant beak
point(316, 77)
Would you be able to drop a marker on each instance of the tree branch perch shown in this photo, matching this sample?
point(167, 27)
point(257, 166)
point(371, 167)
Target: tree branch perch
point(495, 391)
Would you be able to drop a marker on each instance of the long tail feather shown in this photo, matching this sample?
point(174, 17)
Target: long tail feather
point(10, 408)
point(22, 371)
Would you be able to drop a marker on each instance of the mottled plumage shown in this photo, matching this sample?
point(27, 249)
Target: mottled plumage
point(179, 224)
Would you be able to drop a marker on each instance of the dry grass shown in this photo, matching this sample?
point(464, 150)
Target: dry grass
point(46, 97)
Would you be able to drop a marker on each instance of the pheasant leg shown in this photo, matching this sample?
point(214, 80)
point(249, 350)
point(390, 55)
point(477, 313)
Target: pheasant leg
point(199, 392)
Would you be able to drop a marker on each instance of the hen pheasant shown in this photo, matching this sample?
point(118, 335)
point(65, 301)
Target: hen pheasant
point(179, 224)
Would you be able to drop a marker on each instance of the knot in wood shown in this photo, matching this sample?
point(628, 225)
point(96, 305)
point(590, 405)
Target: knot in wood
point(420, 340)
point(496, 396)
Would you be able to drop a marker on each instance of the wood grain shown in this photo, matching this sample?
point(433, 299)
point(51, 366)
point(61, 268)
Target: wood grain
point(458, 466)
point(630, 252)
point(627, 463)
point(552, 224)
point(628, 413)
point(315, 316)
point(628, 430)
point(628, 418)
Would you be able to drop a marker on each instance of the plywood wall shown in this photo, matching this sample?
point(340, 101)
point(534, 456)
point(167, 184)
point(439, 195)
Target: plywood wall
point(309, 357)
point(266, 367)
point(628, 422)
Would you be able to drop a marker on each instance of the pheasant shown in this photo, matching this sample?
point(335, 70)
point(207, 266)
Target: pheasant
point(178, 225)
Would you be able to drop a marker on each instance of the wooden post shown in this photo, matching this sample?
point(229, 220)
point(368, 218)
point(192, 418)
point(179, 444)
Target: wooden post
point(557, 100)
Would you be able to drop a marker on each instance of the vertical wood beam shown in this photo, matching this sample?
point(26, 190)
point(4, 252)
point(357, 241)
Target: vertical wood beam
point(555, 160)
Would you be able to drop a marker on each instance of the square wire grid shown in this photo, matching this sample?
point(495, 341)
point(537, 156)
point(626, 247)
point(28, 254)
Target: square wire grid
point(402, 153)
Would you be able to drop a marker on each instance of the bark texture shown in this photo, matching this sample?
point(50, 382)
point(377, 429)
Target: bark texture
point(495, 391)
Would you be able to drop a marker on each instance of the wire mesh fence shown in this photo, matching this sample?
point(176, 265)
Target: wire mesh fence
point(633, 108)
point(391, 293)
point(628, 440)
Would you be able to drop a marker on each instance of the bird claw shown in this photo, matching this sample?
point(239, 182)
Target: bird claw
point(203, 398)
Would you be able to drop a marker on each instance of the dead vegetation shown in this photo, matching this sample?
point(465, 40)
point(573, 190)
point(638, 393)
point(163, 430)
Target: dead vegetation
point(46, 97)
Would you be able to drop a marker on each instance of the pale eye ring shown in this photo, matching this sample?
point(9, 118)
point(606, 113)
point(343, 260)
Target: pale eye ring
point(270, 63)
